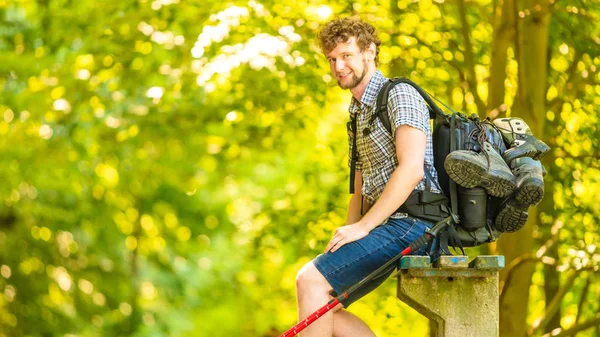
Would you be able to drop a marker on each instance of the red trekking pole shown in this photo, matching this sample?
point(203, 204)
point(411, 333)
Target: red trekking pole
point(414, 246)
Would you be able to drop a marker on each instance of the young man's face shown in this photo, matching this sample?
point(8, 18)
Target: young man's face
point(348, 63)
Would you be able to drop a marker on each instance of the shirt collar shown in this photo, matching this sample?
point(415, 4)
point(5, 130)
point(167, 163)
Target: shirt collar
point(370, 95)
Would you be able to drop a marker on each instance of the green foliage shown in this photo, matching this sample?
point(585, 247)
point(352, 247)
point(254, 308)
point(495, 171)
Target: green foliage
point(167, 167)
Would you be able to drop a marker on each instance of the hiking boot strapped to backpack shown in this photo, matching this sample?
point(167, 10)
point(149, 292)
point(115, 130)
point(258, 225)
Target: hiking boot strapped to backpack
point(530, 191)
point(520, 139)
point(486, 169)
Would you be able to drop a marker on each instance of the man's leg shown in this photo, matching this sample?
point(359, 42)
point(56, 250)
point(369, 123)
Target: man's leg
point(346, 267)
point(345, 324)
point(313, 293)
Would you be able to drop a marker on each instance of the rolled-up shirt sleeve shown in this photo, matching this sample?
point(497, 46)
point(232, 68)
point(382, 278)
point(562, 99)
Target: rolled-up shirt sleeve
point(408, 108)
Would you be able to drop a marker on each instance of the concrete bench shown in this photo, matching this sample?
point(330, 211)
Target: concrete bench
point(459, 298)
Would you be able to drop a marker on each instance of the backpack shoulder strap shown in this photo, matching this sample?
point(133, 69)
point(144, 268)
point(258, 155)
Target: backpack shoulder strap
point(354, 155)
point(382, 111)
point(381, 107)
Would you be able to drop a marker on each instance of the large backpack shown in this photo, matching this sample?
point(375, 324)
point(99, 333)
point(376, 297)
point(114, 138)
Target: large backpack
point(471, 211)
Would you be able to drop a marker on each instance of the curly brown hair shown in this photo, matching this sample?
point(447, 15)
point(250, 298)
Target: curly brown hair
point(342, 29)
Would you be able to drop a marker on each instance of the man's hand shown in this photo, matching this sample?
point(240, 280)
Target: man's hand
point(346, 234)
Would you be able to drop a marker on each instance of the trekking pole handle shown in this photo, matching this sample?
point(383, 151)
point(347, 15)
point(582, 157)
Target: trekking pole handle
point(441, 225)
point(416, 245)
point(429, 234)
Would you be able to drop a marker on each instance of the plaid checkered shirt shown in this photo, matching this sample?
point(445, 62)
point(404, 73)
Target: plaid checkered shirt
point(376, 149)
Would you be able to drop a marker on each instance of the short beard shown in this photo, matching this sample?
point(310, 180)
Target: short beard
point(355, 79)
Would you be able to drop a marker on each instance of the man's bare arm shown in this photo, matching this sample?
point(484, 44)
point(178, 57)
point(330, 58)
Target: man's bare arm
point(410, 150)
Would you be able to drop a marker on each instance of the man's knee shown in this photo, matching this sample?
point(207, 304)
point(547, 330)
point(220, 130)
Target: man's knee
point(309, 278)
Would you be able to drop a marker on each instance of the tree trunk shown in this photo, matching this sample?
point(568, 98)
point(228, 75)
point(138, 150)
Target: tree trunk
point(470, 75)
point(513, 307)
point(532, 31)
point(551, 275)
point(504, 33)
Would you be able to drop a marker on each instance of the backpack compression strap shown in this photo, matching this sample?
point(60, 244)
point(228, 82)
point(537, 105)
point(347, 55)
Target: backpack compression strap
point(453, 147)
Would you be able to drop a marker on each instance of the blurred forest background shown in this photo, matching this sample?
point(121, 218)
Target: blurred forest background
point(166, 166)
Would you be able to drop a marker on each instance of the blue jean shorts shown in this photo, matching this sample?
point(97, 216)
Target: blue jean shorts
point(355, 260)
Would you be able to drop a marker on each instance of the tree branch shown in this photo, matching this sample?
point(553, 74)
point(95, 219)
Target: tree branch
point(483, 10)
point(519, 261)
point(452, 63)
point(576, 35)
point(554, 305)
point(557, 102)
point(575, 329)
point(539, 257)
point(584, 293)
point(566, 155)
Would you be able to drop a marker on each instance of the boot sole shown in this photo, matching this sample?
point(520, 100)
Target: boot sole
point(469, 174)
point(531, 193)
point(512, 217)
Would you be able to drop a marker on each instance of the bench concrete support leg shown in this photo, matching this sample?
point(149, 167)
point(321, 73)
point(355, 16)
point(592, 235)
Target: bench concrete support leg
point(460, 299)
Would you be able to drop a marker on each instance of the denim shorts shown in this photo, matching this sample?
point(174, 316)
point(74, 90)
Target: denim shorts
point(356, 260)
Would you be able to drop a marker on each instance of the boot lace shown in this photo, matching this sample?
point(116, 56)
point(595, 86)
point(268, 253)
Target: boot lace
point(480, 133)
